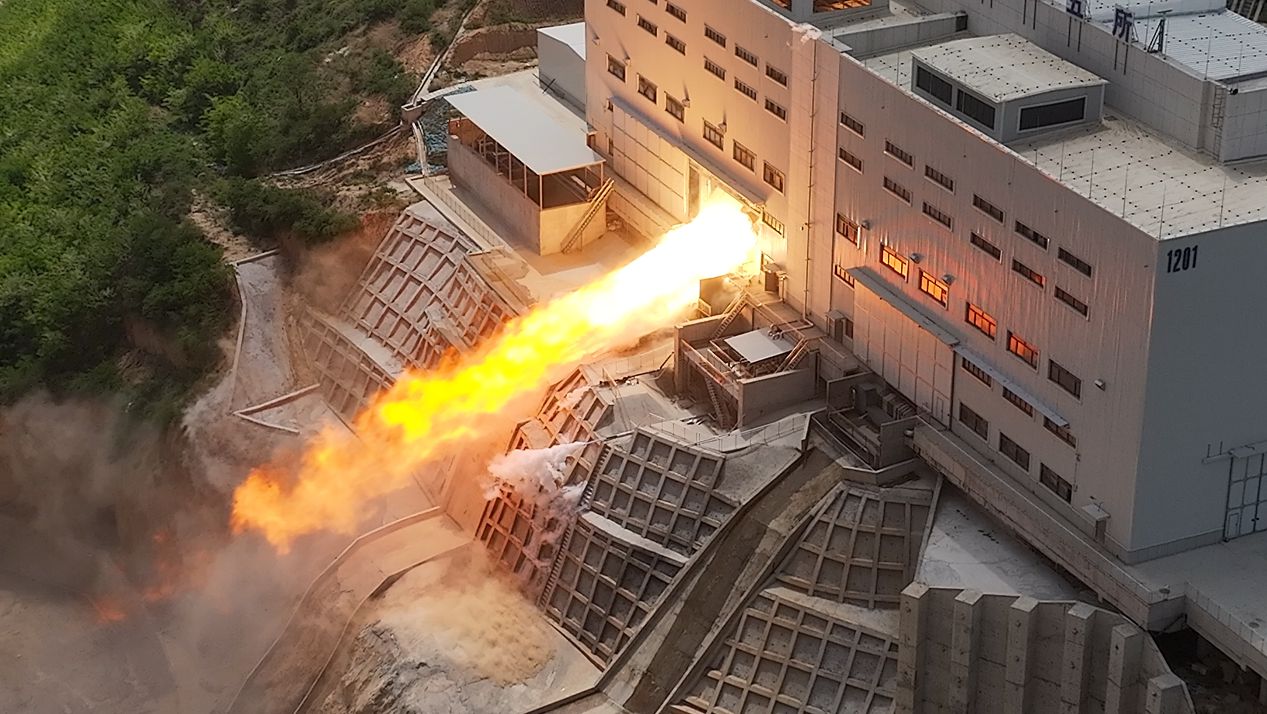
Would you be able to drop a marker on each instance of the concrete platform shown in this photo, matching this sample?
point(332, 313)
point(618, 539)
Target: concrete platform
point(967, 548)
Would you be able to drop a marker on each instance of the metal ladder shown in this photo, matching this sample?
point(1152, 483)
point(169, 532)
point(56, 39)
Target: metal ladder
point(731, 314)
point(795, 356)
point(596, 201)
point(719, 406)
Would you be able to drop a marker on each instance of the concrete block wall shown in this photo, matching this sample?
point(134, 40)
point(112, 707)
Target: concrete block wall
point(518, 534)
point(964, 651)
point(663, 491)
point(349, 378)
point(605, 583)
point(787, 655)
point(861, 547)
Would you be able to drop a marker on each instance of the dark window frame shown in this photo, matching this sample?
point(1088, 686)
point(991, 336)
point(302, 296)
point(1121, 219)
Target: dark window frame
point(852, 124)
point(976, 423)
point(1018, 401)
point(987, 208)
point(1041, 116)
point(714, 35)
point(939, 178)
point(1022, 350)
point(1032, 235)
point(975, 370)
point(1031, 275)
point(983, 317)
point(1015, 453)
point(901, 155)
point(1055, 483)
point(1074, 262)
point(773, 176)
point(1072, 302)
point(851, 160)
point(980, 243)
point(1065, 378)
point(739, 153)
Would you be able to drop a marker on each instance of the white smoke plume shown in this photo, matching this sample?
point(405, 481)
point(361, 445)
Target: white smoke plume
point(535, 474)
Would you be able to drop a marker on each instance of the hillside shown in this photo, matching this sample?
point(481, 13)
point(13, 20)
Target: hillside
point(113, 113)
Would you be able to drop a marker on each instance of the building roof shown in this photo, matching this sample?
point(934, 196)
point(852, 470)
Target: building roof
point(1129, 171)
point(1210, 41)
point(1004, 67)
point(758, 345)
point(527, 127)
point(1165, 190)
point(572, 35)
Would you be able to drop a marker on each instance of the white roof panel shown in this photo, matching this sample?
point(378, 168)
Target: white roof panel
point(758, 345)
point(1004, 67)
point(526, 128)
point(1219, 44)
point(572, 35)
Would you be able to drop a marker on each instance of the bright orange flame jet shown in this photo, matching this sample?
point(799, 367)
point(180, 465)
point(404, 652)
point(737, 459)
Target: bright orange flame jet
point(425, 414)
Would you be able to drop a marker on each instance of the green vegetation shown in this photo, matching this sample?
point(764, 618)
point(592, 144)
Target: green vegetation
point(112, 112)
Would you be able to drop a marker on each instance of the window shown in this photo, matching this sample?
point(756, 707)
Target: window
point(772, 176)
point(1061, 431)
point(985, 246)
point(840, 272)
point(676, 109)
point(852, 124)
point(715, 69)
point(934, 288)
point(1053, 481)
point(939, 178)
point(616, 68)
point(714, 136)
point(987, 208)
point(769, 219)
point(1079, 306)
point(745, 89)
point(1066, 379)
point(894, 261)
point(746, 56)
point(646, 88)
point(897, 189)
point(975, 109)
point(898, 153)
point(1013, 451)
point(675, 43)
point(616, 5)
point(1030, 274)
point(1052, 114)
point(746, 158)
point(648, 25)
point(1034, 236)
point(1018, 401)
point(974, 370)
point(853, 161)
point(847, 228)
point(1027, 352)
point(974, 421)
point(776, 74)
point(675, 11)
point(775, 109)
point(1078, 264)
point(933, 85)
point(936, 214)
point(714, 35)
point(981, 320)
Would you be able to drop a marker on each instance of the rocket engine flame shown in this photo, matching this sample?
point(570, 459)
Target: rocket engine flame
point(425, 414)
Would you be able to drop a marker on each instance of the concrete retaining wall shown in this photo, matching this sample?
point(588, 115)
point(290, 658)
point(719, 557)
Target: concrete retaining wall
point(963, 651)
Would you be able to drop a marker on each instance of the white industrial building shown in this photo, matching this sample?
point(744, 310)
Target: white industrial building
point(1038, 223)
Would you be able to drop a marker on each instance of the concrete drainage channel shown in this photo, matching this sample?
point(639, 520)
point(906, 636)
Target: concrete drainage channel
point(273, 674)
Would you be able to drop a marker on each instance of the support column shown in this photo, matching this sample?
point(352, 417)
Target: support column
point(910, 654)
point(1165, 695)
point(1073, 681)
point(1022, 632)
point(1122, 694)
point(963, 651)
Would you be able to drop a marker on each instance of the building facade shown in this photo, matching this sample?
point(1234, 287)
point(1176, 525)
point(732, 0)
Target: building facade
point(1075, 304)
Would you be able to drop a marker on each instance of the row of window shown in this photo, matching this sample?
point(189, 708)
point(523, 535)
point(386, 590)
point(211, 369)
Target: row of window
point(678, 13)
point(745, 157)
point(986, 207)
point(939, 290)
point(1023, 350)
point(1016, 453)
